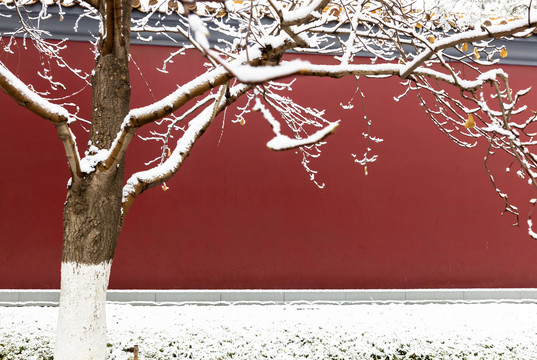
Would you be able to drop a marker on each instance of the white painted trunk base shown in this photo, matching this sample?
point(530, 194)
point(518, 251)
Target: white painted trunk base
point(81, 332)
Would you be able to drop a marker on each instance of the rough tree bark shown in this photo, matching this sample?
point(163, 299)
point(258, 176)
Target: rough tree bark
point(92, 214)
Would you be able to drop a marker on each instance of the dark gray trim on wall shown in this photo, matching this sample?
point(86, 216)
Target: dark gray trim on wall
point(521, 51)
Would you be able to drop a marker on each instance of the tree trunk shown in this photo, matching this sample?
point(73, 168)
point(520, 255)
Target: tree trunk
point(92, 222)
point(92, 215)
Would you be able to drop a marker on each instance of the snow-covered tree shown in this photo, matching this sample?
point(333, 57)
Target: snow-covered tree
point(444, 51)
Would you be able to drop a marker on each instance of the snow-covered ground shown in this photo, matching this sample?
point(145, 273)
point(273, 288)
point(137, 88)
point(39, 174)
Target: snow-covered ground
point(373, 331)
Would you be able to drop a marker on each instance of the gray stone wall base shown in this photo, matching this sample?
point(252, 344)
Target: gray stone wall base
point(278, 297)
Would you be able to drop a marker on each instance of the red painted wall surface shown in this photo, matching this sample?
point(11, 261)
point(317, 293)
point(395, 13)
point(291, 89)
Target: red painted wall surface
point(240, 216)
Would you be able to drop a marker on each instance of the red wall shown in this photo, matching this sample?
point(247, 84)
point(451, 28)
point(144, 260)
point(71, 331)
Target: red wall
point(240, 216)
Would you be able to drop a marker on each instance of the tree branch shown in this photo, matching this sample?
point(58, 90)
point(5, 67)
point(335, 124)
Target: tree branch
point(468, 36)
point(93, 3)
point(71, 151)
point(145, 115)
point(109, 24)
point(298, 17)
point(40, 106)
point(144, 180)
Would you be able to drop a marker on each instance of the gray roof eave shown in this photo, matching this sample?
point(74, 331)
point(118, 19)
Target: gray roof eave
point(520, 49)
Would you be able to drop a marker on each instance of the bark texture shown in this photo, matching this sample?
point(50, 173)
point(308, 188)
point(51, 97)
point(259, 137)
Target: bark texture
point(92, 213)
point(92, 218)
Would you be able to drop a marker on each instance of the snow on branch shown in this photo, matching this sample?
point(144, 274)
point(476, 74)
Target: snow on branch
point(143, 180)
point(484, 33)
point(37, 104)
point(262, 74)
point(300, 15)
point(42, 107)
point(139, 117)
point(410, 47)
point(199, 86)
point(445, 56)
point(284, 142)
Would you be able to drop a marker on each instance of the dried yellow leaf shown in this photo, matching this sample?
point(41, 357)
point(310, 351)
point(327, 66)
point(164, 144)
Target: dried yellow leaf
point(470, 123)
point(431, 39)
point(164, 187)
point(169, 153)
point(464, 47)
point(335, 11)
point(419, 26)
point(242, 122)
point(365, 170)
point(476, 54)
point(503, 53)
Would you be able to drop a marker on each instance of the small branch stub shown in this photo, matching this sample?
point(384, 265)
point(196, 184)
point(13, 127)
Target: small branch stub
point(134, 350)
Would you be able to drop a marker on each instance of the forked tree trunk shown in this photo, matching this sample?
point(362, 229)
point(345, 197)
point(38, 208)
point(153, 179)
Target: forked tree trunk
point(92, 213)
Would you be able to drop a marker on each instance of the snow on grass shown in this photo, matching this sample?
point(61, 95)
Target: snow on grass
point(394, 331)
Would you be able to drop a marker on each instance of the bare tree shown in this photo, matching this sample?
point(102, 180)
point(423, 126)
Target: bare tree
point(421, 44)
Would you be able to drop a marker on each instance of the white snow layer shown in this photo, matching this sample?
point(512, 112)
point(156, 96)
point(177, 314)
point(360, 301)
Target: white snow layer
point(302, 12)
point(32, 96)
point(392, 331)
